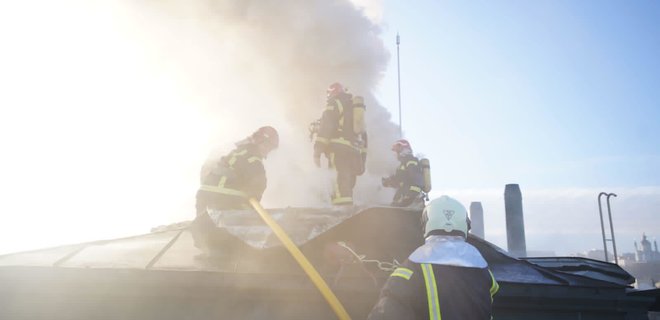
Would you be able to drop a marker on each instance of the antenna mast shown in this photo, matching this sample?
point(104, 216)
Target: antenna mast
point(398, 69)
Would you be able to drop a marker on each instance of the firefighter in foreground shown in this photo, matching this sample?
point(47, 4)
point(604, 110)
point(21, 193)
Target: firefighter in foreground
point(341, 137)
point(409, 178)
point(446, 278)
point(236, 177)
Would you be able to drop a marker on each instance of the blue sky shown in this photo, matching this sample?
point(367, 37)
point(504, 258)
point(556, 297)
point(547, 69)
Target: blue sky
point(548, 94)
point(561, 97)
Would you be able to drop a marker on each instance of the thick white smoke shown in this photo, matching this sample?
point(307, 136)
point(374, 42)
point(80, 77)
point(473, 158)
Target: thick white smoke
point(109, 109)
point(254, 63)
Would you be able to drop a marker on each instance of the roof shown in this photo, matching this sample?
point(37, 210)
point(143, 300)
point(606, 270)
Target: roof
point(247, 274)
point(381, 233)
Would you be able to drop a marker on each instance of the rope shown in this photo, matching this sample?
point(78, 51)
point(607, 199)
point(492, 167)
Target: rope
point(382, 265)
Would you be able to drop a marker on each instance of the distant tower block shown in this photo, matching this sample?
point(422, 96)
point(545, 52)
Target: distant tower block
point(515, 224)
point(477, 219)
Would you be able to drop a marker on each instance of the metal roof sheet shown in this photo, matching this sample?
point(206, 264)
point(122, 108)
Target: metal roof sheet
point(385, 234)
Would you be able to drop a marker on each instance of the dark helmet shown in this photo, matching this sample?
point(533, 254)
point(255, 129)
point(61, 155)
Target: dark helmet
point(267, 135)
point(335, 89)
point(402, 145)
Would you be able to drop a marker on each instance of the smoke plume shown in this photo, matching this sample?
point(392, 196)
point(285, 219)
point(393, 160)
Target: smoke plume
point(110, 109)
point(257, 63)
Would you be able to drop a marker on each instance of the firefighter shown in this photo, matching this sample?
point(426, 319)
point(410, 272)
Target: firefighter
point(446, 278)
point(341, 137)
point(236, 177)
point(408, 179)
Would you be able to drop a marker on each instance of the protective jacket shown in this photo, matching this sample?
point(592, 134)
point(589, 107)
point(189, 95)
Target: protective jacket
point(235, 178)
point(339, 142)
point(227, 185)
point(336, 125)
point(408, 180)
point(444, 279)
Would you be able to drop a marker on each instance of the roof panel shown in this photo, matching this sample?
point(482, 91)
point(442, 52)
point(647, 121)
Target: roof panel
point(184, 256)
point(134, 252)
point(301, 224)
point(39, 258)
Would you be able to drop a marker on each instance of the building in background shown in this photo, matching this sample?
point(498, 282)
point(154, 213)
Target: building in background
point(646, 253)
point(644, 264)
point(596, 254)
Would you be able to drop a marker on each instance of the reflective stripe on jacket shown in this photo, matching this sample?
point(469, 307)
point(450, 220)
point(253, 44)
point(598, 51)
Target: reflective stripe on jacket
point(408, 179)
point(336, 125)
point(240, 173)
point(431, 291)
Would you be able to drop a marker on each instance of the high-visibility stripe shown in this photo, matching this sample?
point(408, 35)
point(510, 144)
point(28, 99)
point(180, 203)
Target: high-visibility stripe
point(234, 157)
point(402, 272)
point(342, 200)
point(222, 190)
point(415, 189)
point(331, 159)
point(342, 141)
point(220, 187)
point(330, 107)
point(494, 286)
point(337, 194)
point(347, 143)
point(222, 181)
point(411, 162)
point(341, 115)
point(322, 140)
point(431, 292)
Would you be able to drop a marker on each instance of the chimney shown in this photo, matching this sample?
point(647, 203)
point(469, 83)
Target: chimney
point(515, 224)
point(477, 219)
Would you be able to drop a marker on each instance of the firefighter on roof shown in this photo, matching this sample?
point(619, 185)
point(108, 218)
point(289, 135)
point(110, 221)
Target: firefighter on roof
point(228, 183)
point(409, 177)
point(342, 138)
point(446, 278)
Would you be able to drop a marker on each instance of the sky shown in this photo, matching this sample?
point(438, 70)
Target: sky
point(564, 92)
point(108, 110)
point(560, 97)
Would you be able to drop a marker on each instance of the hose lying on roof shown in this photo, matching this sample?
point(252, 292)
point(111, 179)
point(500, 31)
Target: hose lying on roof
point(329, 296)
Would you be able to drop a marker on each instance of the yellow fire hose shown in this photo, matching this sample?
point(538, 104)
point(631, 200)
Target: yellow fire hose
point(329, 296)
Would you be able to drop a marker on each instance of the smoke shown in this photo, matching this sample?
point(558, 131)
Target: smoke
point(111, 108)
point(269, 62)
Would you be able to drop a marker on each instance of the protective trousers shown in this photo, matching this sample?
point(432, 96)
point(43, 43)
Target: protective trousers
point(407, 197)
point(346, 161)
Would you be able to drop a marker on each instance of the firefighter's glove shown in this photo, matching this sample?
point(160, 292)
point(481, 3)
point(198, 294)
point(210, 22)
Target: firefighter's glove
point(386, 182)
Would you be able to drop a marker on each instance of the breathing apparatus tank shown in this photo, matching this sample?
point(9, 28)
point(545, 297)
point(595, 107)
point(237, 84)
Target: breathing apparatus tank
point(358, 115)
point(360, 130)
point(426, 172)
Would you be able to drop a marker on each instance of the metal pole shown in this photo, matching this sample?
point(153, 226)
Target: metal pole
point(609, 213)
point(398, 70)
point(602, 226)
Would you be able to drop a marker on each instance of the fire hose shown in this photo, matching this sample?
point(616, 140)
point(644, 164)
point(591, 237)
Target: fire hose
point(311, 272)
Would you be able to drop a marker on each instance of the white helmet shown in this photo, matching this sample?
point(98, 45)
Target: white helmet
point(447, 216)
